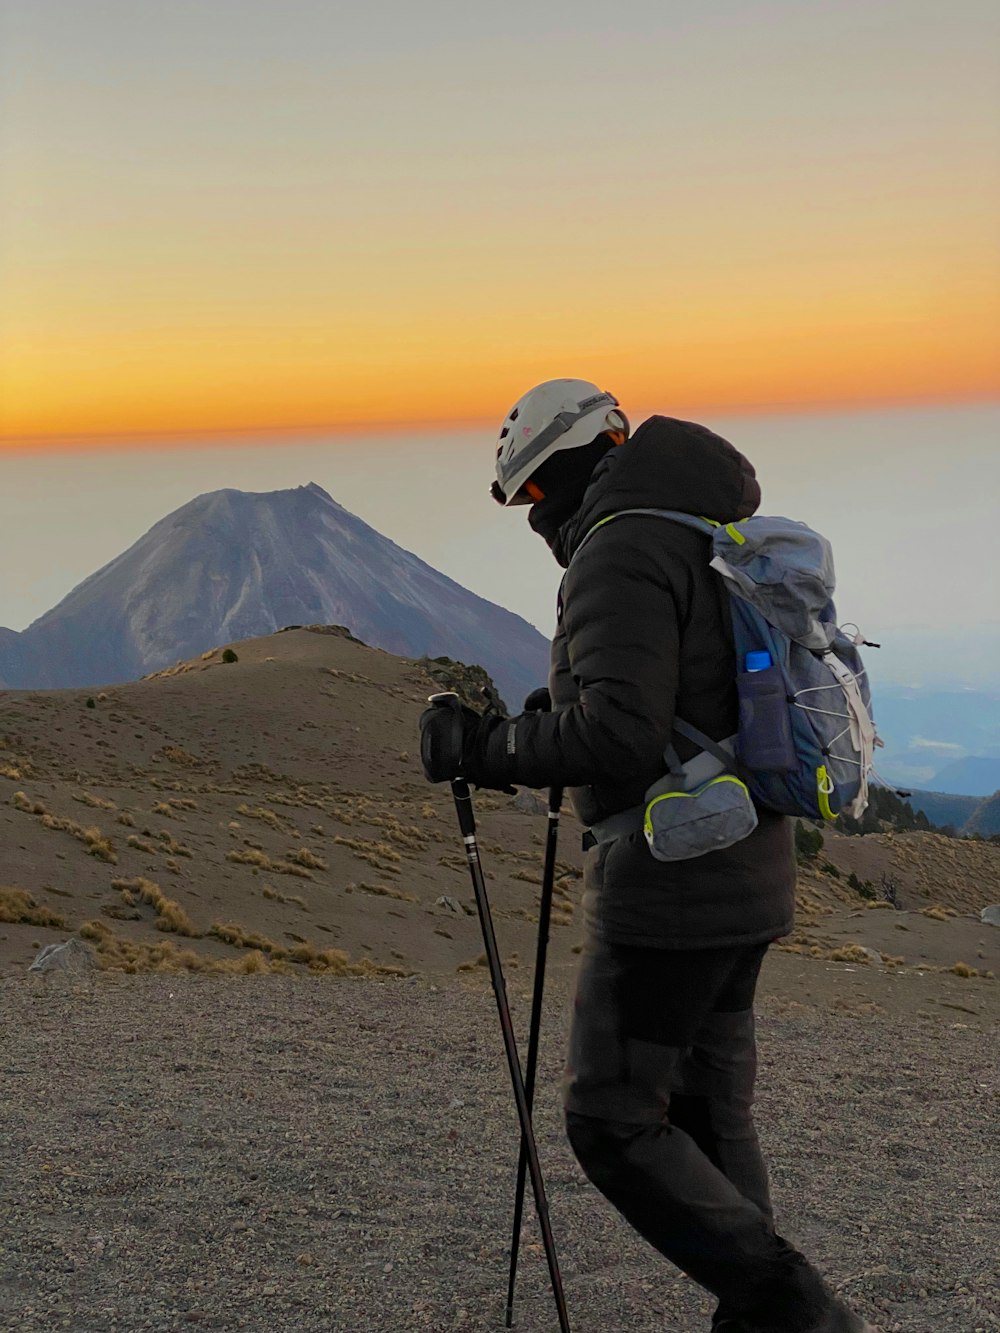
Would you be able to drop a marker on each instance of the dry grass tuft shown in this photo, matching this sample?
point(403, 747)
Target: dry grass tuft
point(239, 938)
point(471, 967)
point(171, 846)
point(98, 802)
point(304, 857)
point(92, 838)
point(119, 955)
point(936, 913)
point(21, 802)
point(141, 845)
point(329, 962)
point(18, 907)
point(378, 854)
point(170, 916)
point(529, 876)
point(273, 894)
point(8, 771)
point(383, 891)
point(178, 755)
point(126, 819)
point(262, 813)
point(255, 857)
point(848, 953)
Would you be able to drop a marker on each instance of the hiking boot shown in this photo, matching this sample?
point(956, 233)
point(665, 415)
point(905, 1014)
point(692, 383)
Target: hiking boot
point(838, 1319)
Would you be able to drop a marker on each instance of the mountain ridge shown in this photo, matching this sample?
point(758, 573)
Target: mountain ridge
point(234, 564)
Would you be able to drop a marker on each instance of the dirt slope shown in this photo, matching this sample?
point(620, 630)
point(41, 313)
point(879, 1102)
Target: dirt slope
point(279, 795)
point(271, 812)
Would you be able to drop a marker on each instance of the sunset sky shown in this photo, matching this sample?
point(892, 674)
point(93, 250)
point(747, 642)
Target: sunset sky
point(237, 215)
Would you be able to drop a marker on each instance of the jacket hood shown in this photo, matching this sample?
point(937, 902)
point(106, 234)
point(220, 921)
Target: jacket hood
point(667, 464)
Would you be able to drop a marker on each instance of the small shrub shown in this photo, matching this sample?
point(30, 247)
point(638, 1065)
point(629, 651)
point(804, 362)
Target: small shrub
point(91, 703)
point(864, 888)
point(808, 841)
point(229, 656)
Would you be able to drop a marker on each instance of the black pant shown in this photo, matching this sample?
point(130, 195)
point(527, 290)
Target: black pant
point(659, 1091)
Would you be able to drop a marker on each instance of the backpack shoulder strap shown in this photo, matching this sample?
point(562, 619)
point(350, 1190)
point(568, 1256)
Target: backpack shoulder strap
point(685, 729)
point(681, 728)
point(705, 525)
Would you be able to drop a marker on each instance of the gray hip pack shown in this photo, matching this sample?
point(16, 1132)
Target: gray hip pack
point(698, 807)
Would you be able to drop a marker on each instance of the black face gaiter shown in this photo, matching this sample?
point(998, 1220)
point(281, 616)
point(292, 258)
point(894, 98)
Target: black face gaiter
point(564, 478)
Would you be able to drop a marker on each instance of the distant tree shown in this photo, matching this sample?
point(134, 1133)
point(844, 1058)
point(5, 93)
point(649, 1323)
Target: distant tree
point(864, 888)
point(890, 889)
point(229, 656)
point(808, 841)
point(886, 810)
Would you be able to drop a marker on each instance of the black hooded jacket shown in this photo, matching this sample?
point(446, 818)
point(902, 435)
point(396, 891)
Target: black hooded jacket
point(643, 633)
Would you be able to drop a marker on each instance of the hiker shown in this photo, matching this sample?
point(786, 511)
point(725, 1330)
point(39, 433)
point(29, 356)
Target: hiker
point(661, 1067)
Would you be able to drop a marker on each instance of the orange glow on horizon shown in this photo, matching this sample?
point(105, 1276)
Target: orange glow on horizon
point(263, 435)
point(318, 226)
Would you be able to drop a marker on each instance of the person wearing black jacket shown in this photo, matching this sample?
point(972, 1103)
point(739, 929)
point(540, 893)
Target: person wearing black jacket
point(661, 1068)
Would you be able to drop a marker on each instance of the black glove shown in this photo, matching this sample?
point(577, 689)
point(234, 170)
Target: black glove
point(456, 742)
point(539, 701)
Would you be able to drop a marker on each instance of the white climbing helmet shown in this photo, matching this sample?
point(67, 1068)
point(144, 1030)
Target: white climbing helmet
point(559, 414)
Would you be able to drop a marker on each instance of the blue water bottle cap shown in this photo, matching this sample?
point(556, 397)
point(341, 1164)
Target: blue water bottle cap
point(759, 661)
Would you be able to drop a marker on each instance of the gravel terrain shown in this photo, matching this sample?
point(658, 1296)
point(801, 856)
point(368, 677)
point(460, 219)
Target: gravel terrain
point(271, 1153)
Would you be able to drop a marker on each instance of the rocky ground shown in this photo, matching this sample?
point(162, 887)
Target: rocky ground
point(273, 1153)
point(282, 1105)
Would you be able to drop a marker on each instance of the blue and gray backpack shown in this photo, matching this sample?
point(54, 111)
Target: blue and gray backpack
point(806, 738)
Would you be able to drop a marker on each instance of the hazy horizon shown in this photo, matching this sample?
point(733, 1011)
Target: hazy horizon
point(906, 497)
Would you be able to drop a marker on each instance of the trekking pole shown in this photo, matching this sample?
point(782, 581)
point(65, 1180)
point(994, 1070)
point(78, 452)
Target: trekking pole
point(467, 824)
point(544, 920)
